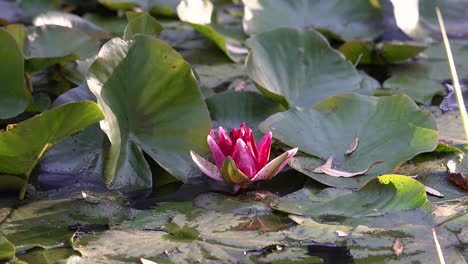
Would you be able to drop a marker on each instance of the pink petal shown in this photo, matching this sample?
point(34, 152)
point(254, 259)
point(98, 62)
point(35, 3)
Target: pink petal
point(274, 166)
point(225, 143)
point(250, 141)
point(216, 151)
point(264, 146)
point(207, 167)
point(244, 158)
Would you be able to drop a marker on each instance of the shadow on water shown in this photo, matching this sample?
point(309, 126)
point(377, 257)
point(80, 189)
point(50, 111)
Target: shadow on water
point(329, 253)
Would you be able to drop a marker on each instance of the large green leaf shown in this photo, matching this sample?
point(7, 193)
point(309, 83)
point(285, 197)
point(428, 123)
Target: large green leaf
point(49, 44)
point(386, 193)
point(420, 90)
point(391, 129)
point(152, 103)
point(300, 67)
point(23, 145)
point(204, 17)
point(14, 96)
point(347, 19)
point(230, 109)
point(141, 23)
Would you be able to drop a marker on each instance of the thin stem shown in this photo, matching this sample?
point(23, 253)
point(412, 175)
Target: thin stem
point(453, 71)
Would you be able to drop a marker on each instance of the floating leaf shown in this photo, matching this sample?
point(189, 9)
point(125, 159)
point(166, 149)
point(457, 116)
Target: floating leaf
point(419, 89)
point(348, 20)
point(299, 68)
point(230, 109)
point(158, 109)
point(20, 148)
point(367, 52)
point(14, 96)
point(46, 223)
point(203, 17)
point(142, 23)
point(391, 129)
point(77, 159)
point(384, 194)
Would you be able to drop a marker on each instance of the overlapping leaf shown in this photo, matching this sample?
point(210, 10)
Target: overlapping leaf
point(390, 129)
point(299, 68)
point(152, 103)
point(346, 19)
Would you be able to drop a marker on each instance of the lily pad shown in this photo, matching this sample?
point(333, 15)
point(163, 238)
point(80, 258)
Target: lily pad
point(248, 204)
point(203, 17)
point(20, 149)
point(419, 89)
point(78, 158)
point(49, 44)
point(299, 68)
point(45, 223)
point(70, 21)
point(391, 129)
point(158, 110)
point(230, 109)
point(367, 52)
point(141, 23)
point(348, 20)
point(386, 193)
point(14, 96)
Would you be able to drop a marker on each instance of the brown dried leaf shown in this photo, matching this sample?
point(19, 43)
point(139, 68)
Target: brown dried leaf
point(397, 247)
point(326, 168)
point(352, 147)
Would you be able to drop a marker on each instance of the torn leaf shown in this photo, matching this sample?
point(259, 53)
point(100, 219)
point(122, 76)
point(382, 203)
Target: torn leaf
point(352, 147)
point(397, 247)
point(327, 169)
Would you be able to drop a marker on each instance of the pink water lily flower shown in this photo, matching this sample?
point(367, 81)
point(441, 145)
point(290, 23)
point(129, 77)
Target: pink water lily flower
point(239, 161)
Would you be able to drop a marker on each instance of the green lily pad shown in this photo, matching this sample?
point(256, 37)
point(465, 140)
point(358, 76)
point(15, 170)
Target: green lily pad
point(214, 76)
point(299, 68)
point(14, 96)
point(434, 64)
point(20, 148)
point(419, 89)
point(78, 158)
point(111, 24)
point(367, 52)
point(230, 109)
point(49, 44)
point(158, 110)
point(36, 7)
point(247, 204)
point(386, 193)
point(204, 16)
point(70, 21)
point(199, 235)
point(45, 223)
point(349, 20)
point(7, 249)
point(141, 23)
point(391, 129)
point(44, 256)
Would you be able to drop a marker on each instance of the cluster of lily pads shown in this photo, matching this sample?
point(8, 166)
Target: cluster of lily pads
point(340, 130)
